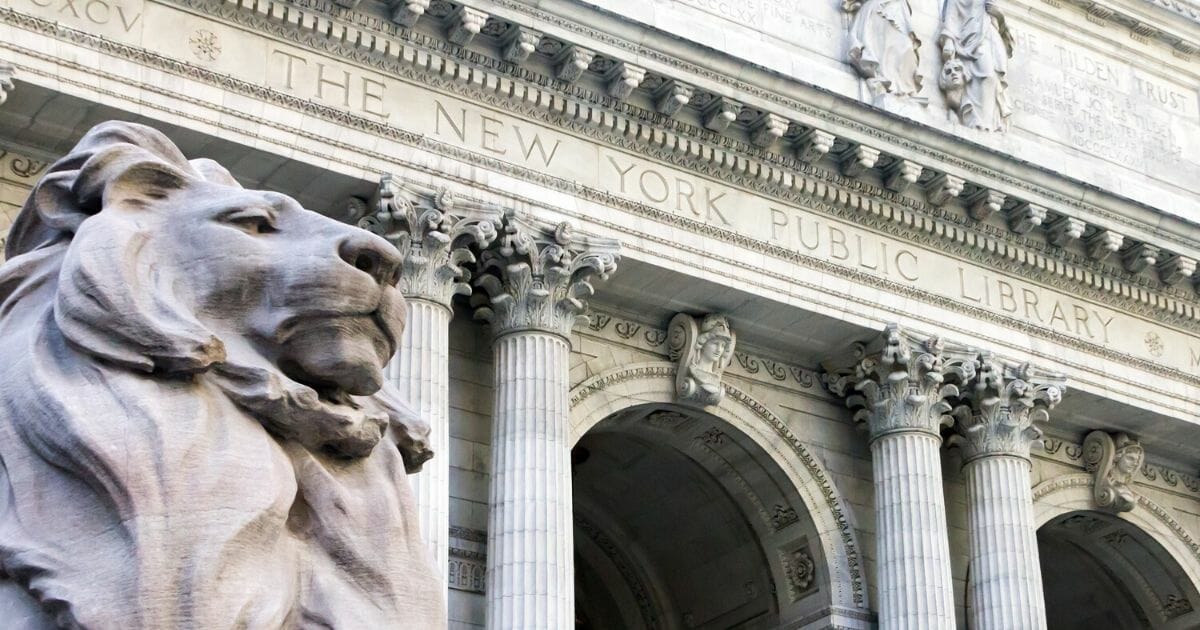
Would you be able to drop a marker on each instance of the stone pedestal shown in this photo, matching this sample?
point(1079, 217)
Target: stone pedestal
point(898, 385)
point(995, 431)
point(534, 279)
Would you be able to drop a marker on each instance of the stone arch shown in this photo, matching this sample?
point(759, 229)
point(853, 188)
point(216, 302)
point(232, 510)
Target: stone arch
point(1067, 501)
point(653, 383)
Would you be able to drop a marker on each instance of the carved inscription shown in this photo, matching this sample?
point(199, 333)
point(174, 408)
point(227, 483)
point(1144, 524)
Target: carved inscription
point(1099, 105)
point(1066, 315)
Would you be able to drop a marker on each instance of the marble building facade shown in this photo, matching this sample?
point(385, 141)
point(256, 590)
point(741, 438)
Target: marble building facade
point(782, 313)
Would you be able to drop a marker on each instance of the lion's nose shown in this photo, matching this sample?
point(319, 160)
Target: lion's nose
point(373, 255)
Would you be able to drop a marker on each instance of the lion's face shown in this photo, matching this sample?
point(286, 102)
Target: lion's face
point(316, 297)
point(171, 268)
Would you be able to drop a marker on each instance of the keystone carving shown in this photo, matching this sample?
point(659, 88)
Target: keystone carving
point(703, 350)
point(6, 80)
point(434, 234)
point(883, 49)
point(901, 382)
point(813, 145)
point(976, 45)
point(1003, 407)
point(537, 276)
point(407, 12)
point(1113, 459)
point(943, 188)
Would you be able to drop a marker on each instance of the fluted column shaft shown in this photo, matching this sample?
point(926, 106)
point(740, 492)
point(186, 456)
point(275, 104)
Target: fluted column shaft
point(420, 372)
point(913, 549)
point(530, 569)
point(1006, 577)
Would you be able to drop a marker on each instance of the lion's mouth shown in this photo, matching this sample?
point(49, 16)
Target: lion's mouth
point(335, 396)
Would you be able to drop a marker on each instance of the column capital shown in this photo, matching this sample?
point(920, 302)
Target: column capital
point(1003, 407)
point(538, 275)
point(900, 381)
point(435, 233)
point(6, 80)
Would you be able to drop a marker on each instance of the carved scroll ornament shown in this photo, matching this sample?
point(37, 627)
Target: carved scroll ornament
point(703, 349)
point(883, 49)
point(1113, 459)
point(6, 80)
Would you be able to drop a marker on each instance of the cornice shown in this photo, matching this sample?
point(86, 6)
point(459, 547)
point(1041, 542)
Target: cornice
point(824, 192)
point(948, 227)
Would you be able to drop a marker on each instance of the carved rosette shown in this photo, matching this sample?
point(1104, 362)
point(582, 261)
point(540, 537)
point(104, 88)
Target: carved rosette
point(1113, 459)
point(703, 348)
point(6, 80)
point(435, 233)
point(1003, 408)
point(537, 276)
point(900, 382)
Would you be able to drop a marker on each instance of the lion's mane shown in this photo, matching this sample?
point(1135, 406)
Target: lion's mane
point(157, 474)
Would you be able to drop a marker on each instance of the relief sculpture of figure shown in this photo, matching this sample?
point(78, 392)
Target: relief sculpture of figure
point(976, 46)
point(703, 349)
point(195, 431)
point(1113, 460)
point(883, 48)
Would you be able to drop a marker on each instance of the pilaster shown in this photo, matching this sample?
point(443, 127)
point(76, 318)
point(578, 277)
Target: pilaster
point(899, 384)
point(535, 282)
point(996, 427)
point(435, 234)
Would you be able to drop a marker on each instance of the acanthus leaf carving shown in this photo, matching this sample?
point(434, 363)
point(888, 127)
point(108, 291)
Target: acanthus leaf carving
point(901, 382)
point(1002, 408)
point(1113, 460)
point(537, 276)
point(703, 349)
point(435, 234)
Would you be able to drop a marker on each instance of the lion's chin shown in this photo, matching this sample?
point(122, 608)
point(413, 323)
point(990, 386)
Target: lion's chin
point(339, 358)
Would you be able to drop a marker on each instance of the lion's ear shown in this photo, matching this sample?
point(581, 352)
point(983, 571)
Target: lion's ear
point(116, 303)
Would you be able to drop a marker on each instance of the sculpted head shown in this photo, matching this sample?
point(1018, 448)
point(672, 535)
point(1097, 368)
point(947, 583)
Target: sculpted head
point(170, 268)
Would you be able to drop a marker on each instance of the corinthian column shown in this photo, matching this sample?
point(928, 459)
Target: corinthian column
point(899, 385)
point(535, 280)
point(434, 233)
point(995, 431)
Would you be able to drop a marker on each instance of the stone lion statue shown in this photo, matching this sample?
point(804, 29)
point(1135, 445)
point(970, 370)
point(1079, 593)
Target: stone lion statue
point(194, 426)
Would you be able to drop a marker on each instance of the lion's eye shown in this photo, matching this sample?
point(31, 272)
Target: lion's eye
point(252, 220)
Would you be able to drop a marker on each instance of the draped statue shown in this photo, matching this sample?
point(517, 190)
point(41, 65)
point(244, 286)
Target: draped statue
point(976, 45)
point(883, 48)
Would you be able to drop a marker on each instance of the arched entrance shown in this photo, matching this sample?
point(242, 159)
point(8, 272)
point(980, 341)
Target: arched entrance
point(682, 521)
point(1102, 571)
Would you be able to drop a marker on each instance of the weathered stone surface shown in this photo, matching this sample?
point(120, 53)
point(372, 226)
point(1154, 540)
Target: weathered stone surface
point(193, 421)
